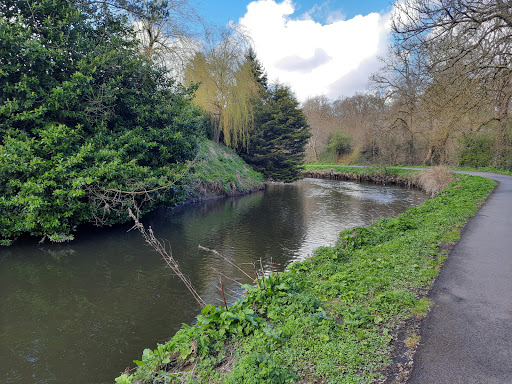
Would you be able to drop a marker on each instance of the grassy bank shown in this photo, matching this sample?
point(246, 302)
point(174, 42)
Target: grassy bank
point(337, 317)
point(379, 175)
point(219, 171)
point(372, 169)
point(484, 169)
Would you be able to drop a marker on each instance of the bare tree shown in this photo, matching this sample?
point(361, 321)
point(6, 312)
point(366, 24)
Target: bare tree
point(318, 111)
point(470, 40)
point(168, 30)
point(226, 85)
point(402, 80)
point(360, 115)
point(357, 118)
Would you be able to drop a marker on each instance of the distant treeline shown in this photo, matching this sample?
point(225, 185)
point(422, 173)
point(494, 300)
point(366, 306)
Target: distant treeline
point(442, 96)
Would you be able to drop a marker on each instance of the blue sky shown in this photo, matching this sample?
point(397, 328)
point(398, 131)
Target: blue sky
point(221, 11)
point(321, 47)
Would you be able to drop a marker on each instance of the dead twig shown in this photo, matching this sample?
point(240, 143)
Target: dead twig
point(166, 255)
point(222, 290)
point(226, 259)
point(226, 277)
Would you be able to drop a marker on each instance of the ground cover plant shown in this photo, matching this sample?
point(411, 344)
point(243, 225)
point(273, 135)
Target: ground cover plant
point(332, 318)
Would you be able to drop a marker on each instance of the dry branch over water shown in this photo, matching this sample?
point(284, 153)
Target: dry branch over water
point(166, 254)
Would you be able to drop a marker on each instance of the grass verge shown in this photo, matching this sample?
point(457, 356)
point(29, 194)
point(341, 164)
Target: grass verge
point(333, 318)
point(484, 169)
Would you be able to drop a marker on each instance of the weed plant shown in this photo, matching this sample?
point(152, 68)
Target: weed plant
point(330, 318)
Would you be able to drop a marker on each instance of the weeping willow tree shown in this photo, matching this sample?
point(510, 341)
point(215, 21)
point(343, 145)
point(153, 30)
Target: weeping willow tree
point(227, 87)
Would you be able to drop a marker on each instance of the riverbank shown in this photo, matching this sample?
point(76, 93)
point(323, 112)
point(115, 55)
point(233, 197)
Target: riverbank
point(218, 172)
point(378, 175)
point(340, 316)
point(431, 180)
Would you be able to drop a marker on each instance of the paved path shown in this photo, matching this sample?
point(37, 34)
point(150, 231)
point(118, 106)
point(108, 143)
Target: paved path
point(467, 336)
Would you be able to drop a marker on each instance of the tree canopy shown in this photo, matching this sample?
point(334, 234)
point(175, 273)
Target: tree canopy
point(442, 96)
point(466, 54)
point(226, 86)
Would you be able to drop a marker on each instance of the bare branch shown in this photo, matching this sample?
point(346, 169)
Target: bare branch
point(166, 255)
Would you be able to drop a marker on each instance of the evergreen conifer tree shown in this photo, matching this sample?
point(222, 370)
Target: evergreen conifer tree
point(257, 70)
point(279, 135)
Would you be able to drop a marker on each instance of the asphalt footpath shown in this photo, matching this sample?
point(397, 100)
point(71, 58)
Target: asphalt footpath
point(467, 335)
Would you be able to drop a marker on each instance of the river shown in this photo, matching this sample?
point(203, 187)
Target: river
point(80, 312)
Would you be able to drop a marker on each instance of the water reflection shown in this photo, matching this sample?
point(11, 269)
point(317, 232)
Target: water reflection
point(81, 312)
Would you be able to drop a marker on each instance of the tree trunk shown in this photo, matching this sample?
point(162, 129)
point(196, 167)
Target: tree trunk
point(430, 153)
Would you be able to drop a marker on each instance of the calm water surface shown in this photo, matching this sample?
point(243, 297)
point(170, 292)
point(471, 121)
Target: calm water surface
point(81, 312)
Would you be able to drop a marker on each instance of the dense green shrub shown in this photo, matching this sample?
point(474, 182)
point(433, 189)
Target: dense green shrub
point(477, 151)
point(337, 146)
point(87, 126)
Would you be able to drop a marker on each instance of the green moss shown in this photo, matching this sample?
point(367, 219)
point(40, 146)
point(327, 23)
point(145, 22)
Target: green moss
point(329, 318)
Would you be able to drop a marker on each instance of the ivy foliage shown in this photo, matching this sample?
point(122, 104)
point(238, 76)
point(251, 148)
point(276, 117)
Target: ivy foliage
point(82, 114)
point(476, 151)
point(337, 146)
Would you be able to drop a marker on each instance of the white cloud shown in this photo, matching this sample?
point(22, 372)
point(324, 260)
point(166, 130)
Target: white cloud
point(333, 59)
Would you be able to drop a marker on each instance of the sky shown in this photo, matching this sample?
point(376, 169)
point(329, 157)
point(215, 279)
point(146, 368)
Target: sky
point(324, 47)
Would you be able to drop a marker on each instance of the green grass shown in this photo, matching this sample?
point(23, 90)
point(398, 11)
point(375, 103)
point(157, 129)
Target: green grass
point(484, 169)
point(373, 170)
point(330, 318)
point(218, 170)
point(348, 168)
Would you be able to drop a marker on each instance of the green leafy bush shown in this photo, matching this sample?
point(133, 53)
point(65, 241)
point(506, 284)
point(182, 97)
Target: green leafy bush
point(87, 126)
point(477, 150)
point(337, 146)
